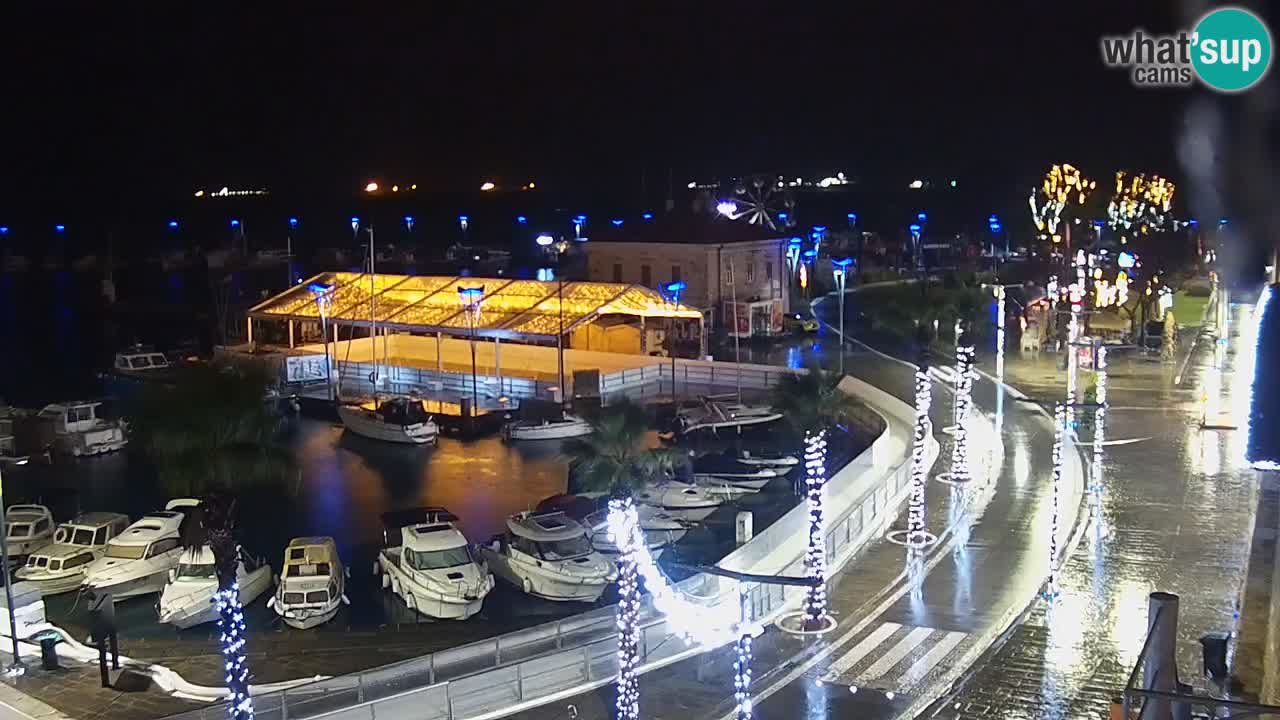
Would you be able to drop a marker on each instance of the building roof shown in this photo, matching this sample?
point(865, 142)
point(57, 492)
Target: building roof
point(685, 227)
point(520, 309)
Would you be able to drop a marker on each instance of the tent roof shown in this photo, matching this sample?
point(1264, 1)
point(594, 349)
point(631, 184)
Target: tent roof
point(510, 308)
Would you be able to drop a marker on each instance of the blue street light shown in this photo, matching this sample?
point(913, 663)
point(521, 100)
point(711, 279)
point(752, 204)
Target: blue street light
point(173, 224)
point(841, 264)
point(839, 268)
point(851, 217)
point(4, 229)
point(914, 228)
point(1193, 223)
point(580, 218)
point(522, 220)
point(319, 289)
point(996, 227)
point(617, 222)
point(810, 254)
point(462, 222)
point(783, 216)
point(647, 216)
point(1223, 221)
point(235, 223)
point(993, 219)
point(673, 288)
point(922, 217)
point(819, 229)
point(408, 222)
point(355, 223)
point(59, 228)
point(293, 222)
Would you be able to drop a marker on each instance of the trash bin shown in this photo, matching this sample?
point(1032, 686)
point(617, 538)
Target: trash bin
point(49, 653)
point(1215, 647)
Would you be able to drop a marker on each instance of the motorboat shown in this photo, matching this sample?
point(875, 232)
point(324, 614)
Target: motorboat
point(60, 566)
point(141, 363)
point(548, 555)
point(427, 561)
point(660, 529)
point(720, 470)
point(30, 528)
point(715, 412)
point(683, 501)
point(312, 584)
point(396, 419)
point(80, 428)
point(138, 560)
point(766, 459)
point(187, 598)
point(567, 426)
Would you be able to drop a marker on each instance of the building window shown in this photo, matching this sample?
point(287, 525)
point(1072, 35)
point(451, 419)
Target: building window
point(675, 273)
point(751, 271)
point(617, 272)
point(768, 270)
point(646, 275)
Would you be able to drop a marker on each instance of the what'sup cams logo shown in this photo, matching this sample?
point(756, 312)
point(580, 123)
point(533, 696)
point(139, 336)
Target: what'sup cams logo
point(1229, 50)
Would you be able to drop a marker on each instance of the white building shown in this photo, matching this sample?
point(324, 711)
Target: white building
point(719, 260)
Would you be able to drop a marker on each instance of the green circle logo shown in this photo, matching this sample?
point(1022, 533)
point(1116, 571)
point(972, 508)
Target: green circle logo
point(1231, 49)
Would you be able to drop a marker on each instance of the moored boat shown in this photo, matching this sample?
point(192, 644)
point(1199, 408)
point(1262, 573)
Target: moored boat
point(138, 560)
point(548, 555)
point(680, 500)
point(187, 598)
point(312, 583)
point(60, 566)
point(396, 419)
point(30, 528)
point(427, 561)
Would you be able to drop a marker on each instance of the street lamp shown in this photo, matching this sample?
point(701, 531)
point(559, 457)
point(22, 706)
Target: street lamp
point(324, 298)
point(463, 221)
point(471, 297)
point(17, 668)
point(671, 291)
point(839, 268)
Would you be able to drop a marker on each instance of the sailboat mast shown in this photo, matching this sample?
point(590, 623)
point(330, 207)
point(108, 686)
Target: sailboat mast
point(560, 335)
point(737, 348)
point(373, 324)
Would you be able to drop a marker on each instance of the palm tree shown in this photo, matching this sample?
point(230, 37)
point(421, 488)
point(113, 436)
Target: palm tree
point(210, 433)
point(613, 459)
point(812, 404)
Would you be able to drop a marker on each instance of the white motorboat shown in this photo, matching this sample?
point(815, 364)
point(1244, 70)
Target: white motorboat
point(30, 528)
point(549, 556)
point(138, 560)
point(312, 584)
point(659, 527)
point(720, 471)
point(141, 363)
point(60, 567)
point(427, 561)
point(187, 598)
point(680, 500)
point(568, 426)
point(79, 428)
point(778, 460)
point(715, 413)
point(397, 419)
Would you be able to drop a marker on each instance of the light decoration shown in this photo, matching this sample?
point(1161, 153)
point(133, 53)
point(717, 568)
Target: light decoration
point(228, 192)
point(1063, 186)
point(960, 472)
point(231, 625)
point(793, 253)
point(1000, 311)
point(917, 534)
point(1099, 419)
point(487, 186)
point(1059, 433)
point(1140, 201)
point(727, 208)
point(742, 661)
point(623, 529)
point(815, 556)
point(372, 187)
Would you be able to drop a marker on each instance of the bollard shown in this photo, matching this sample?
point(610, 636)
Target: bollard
point(1160, 667)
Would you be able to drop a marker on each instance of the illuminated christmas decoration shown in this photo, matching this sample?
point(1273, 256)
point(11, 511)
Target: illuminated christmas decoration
point(959, 472)
point(628, 687)
point(231, 625)
point(917, 534)
point(1140, 202)
point(1000, 333)
point(1059, 437)
point(1062, 187)
point(815, 557)
point(742, 663)
point(1099, 419)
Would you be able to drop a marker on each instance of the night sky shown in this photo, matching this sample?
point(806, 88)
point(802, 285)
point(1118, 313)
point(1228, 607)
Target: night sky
point(115, 104)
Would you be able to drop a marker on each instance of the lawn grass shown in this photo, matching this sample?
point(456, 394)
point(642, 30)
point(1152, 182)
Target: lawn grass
point(1188, 310)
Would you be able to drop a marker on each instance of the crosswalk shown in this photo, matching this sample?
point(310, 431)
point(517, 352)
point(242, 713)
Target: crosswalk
point(893, 657)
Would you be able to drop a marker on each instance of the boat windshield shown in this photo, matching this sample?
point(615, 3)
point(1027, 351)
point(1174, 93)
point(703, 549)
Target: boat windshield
point(126, 552)
point(565, 549)
point(437, 559)
point(196, 571)
point(82, 536)
point(19, 529)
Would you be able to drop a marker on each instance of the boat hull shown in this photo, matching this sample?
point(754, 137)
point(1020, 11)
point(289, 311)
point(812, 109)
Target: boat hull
point(132, 587)
point(359, 422)
point(428, 601)
point(550, 431)
point(307, 618)
point(53, 585)
point(198, 607)
point(541, 583)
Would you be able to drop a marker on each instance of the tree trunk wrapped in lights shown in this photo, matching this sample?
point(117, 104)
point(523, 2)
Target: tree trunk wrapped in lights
point(917, 532)
point(1059, 437)
point(628, 686)
point(217, 522)
point(963, 402)
point(815, 557)
point(742, 663)
point(1099, 419)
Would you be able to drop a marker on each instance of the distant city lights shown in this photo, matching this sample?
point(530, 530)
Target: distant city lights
point(59, 228)
point(371, 187)
point(617, 222)
point(235, 223)
point(544, 240)
point(522, 220)
point(916, 184)
point(486, 186)
point(173, 224)
point(228, 192)
point(726, 208)
point(647, 216)
point(293, 222)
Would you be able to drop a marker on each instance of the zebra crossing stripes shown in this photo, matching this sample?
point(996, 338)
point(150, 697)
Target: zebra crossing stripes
point(894, 656)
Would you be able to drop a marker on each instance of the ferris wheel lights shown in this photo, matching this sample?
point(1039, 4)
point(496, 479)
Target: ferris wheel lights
point(726, 208)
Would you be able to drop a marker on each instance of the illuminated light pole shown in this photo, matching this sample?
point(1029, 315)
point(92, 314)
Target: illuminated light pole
point(819, 232)
point(815, 557)
point(916, 259)
point(1000, 321)
point(917, 534)
point(839, 269)
point(408, 223)
point(1099, 419)
point(793, 253)
point(852, 217)
point(16, 668)
point(1076, 297)
point(671, 292)
point(324, 298)
point(960, 472)
point(628, 614)
point(1059, 437)
point(471, 297)
point(463, 222)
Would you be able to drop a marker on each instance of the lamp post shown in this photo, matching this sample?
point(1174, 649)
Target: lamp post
point(471, 297)
point(839, 268)
point(852, 217)
point(17, 668)
point(671, 291)
point(324, 298)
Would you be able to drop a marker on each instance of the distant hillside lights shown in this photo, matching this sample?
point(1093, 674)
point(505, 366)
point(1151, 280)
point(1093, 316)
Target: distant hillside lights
point(228, 192)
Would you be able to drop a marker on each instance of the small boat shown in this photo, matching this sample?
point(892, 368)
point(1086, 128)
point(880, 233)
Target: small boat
point(138, 560)
point(312, 584)
point(427, 561)
point(725, 467)
point(60, 566)
point(766, 459)
point(715, 413)
point(397, 419)
point(659, 527)
point(680, 500)
point(142, 363)
point(567, 426)
point(549, 556)
point(80, 429)
point(30, 529)
point(187, 598)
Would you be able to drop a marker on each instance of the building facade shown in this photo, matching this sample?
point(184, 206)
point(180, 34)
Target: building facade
point(731, 270)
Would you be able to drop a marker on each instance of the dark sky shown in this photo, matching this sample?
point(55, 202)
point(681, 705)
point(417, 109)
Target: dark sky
point(122, 101)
